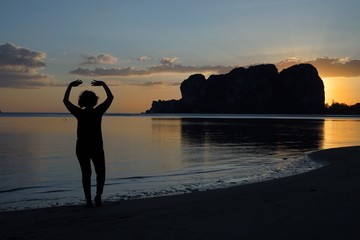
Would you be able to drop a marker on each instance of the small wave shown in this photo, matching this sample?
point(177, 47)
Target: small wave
point(192, 179)
point(133, 178)
point(21, 189)
point(176, 174)
point(53, 191)
point(294, 167)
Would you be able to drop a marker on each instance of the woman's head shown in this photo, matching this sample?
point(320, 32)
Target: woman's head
point(87, 99)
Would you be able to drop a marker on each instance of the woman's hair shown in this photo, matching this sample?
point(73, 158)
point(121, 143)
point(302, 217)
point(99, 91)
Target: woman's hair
point(87, 99)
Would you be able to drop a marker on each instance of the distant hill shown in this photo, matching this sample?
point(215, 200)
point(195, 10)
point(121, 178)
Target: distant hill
point(256, 89)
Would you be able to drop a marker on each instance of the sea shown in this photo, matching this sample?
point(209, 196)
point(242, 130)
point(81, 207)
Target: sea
point(150, 155)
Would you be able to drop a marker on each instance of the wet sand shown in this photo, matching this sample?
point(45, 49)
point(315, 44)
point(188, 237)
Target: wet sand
point(321, 204)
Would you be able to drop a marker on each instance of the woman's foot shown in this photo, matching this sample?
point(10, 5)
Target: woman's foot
point(89, 203)
point(98, 201)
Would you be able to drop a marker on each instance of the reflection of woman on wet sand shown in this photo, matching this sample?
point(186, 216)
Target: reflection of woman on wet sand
point(89, 143)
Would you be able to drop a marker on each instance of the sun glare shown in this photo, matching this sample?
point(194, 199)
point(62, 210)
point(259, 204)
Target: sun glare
point(342, 90)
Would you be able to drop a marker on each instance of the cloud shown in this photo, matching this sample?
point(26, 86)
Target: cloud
point(132, 71)
point(128, 71)
point(19, 68)
point(167, 65)
point(116, 83)
point(179, 68)
point(10, 55)
point(159, 83)
point(144, 59)
point(99, 59)
point(337, 67)
point(328, 67)
point(169, 61)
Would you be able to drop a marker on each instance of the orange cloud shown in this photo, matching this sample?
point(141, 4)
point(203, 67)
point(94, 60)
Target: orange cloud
point(329, 67)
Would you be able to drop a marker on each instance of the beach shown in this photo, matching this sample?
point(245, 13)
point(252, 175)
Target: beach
point(320, 204)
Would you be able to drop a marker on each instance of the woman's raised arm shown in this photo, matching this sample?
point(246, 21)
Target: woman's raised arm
point(109, 96)
point(66, 100)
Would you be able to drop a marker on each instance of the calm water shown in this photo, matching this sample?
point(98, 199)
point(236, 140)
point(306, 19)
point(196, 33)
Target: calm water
point(159, 155)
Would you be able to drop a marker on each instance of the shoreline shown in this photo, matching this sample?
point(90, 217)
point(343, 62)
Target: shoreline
point(195, 115)
point(320, 204)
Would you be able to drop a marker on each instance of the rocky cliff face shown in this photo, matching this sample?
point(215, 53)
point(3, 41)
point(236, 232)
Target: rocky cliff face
point(302, 90)
point(257, 89)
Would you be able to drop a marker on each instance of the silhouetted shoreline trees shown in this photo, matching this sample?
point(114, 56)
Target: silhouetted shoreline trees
point(342, 109)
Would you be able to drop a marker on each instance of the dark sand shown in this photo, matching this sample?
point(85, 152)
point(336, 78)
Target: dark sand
point(322, 204)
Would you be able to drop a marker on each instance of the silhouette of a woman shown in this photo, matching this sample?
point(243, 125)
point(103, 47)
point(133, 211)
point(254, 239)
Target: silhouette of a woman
point(89, 144)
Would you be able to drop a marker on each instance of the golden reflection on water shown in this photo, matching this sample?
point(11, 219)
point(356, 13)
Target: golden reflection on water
point(341, 132)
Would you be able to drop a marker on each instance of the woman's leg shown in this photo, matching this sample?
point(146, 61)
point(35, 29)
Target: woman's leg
point(99, 164)
point(85, 165)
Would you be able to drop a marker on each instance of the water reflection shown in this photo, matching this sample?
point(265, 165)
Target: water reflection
point(252, 136)
point(341, 132)
point(147, 155)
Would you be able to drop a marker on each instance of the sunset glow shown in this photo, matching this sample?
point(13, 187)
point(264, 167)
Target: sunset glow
point(342, 90)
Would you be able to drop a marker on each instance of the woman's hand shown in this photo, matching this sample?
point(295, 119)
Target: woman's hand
point(71, 107)
point(97, 83)
point(76, 83)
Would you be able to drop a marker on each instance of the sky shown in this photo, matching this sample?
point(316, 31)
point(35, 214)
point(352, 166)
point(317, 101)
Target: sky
point(145, 49)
